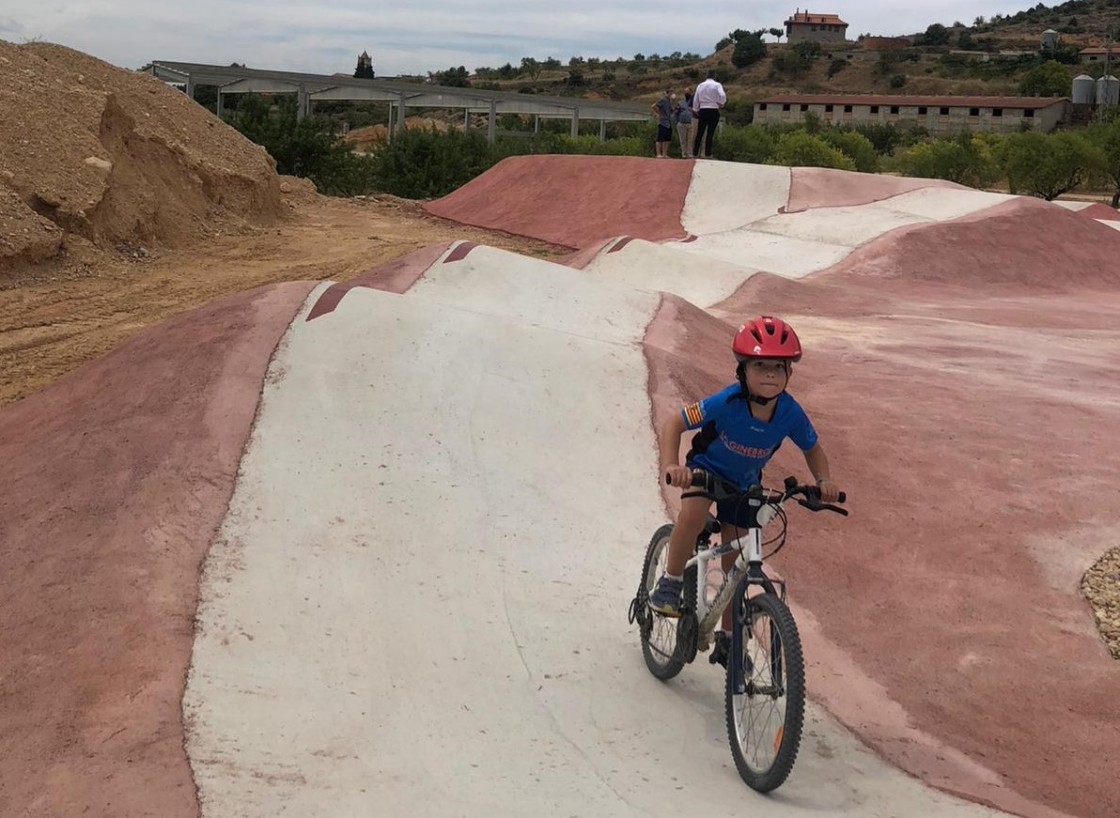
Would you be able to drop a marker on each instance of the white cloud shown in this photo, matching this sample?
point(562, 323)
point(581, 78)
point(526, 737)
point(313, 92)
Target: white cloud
point(327, 36)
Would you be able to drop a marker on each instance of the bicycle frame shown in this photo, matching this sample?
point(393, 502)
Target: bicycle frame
point(749, 546)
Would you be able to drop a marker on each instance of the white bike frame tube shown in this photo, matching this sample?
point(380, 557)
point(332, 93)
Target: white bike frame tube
point(751, 544)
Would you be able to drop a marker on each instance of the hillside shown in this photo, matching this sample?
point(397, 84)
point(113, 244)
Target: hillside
point(986, 57)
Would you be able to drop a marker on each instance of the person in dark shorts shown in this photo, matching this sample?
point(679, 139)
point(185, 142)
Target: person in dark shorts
point(663, 109)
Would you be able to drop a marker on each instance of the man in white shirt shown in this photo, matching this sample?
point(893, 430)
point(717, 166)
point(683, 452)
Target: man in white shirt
point(706, 102)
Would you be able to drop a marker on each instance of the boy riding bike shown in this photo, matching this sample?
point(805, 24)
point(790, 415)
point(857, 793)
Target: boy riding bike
point(741, 427)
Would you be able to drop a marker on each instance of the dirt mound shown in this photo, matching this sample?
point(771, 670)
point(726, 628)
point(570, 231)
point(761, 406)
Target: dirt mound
point(1100, 211)
point(1011, 245)
point(371, 136)
point(115, 157)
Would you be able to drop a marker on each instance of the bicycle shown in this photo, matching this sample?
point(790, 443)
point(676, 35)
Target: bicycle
point(764, 694)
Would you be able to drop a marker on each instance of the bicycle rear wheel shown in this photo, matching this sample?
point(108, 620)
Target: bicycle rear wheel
point(660, 645)
point(765, 715)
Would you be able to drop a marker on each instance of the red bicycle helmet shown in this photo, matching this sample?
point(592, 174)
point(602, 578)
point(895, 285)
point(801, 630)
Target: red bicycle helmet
point(766, 337)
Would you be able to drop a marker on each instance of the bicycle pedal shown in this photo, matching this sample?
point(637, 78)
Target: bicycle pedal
point(720, 651)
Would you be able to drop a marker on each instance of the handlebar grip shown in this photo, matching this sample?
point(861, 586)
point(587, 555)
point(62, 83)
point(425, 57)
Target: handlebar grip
point(699, 479)
point(814, 492)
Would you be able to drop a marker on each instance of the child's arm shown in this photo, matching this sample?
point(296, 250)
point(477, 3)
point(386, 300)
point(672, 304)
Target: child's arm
point(671, 432)
point(817, 462)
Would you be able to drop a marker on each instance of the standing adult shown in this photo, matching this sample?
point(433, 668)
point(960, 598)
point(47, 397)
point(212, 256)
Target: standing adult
point(663, 109)
point(706, 102)
point(684, 123)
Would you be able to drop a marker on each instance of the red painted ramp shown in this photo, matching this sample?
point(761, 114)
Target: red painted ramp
point(576, 201)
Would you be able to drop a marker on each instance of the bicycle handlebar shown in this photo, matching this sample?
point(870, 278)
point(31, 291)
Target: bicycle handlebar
point(811, 494)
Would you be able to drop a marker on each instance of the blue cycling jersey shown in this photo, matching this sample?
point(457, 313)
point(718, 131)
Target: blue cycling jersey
point(735, 445)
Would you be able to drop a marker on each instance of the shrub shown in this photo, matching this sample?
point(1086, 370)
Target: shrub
point(749, 49)
point(898, 80)
point(800, 149)
point(749, 143)
point(302, 147)
point(958, 160)
point(421, 163)
point(855, 146)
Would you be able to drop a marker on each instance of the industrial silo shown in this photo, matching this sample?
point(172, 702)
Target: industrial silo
point(1108, 90)
point(1049, 39)
point(1084, 90)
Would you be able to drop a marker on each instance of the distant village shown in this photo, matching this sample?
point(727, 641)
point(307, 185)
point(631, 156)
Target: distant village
point(938, 114)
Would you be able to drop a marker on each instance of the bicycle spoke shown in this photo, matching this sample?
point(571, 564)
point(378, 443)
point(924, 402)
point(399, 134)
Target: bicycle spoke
point(764, 723)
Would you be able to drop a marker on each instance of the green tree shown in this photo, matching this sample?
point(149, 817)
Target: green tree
point(958, 159)
point(530, 67)
point(749, 49)
point(1106, 137)
point(749, 143)
point(1049, 79)
point(883, 136)
point(452, 77)
point(1048, 165)
point(855, 146)
point(936, 34)
point(801, 149)
point(302, 147)
point(424, 163)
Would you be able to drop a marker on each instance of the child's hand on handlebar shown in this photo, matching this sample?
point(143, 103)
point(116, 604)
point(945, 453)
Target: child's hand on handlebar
point(679, 476)
point(830, 492)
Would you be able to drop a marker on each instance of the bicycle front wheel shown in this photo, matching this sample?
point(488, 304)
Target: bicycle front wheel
point(766, 706)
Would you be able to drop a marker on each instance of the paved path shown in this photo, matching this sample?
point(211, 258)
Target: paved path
point(412, 555)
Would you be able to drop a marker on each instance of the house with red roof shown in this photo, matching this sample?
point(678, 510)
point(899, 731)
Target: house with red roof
point(812, 26)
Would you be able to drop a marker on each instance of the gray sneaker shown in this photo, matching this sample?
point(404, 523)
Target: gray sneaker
point(666, 597)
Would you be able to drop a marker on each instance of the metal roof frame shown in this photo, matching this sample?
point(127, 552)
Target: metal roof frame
point(401, 94)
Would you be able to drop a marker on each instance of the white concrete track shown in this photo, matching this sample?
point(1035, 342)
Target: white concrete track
point(417, 602)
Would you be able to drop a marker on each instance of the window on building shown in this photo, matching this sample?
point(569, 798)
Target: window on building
point(828, 109)
point(894, 109)
point(812, 28)
point(785, 106)
point(997, 111)
point(923, 111)
point(974, 112)
point(1028, 113)
point(874, 109)
point(847, 109)
point(944, 111)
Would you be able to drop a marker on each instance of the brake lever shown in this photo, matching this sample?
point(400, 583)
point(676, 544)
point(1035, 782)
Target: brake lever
point(816, 505)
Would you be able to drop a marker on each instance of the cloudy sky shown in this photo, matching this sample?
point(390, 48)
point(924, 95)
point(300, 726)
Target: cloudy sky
point(326, 36)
